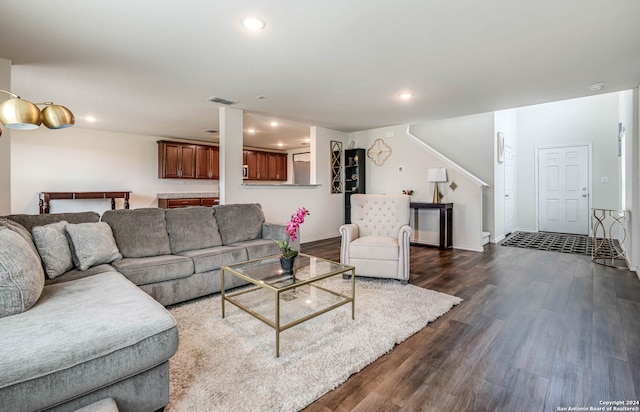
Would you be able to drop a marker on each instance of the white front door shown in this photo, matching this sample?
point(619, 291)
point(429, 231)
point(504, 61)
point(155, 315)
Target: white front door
point(508, 189)
point(563, 189)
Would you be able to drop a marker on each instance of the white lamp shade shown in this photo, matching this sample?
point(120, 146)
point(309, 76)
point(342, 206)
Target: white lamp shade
point(437, 174)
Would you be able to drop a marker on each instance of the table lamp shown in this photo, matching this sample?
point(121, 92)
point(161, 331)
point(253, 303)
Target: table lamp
point(436, 175)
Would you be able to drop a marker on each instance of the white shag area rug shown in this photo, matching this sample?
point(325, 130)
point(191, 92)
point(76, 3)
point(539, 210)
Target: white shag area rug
point(230, 365)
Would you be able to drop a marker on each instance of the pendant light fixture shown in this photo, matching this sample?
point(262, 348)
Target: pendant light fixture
point(20, 114)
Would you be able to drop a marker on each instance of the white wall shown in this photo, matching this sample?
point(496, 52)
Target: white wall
point(5, 144)
point(504, 122)
point(633, 195)
point(414, 160)
point(586, 120)
point(77, 159)
point(278, 201)
point(468, 141)
point(627, 165)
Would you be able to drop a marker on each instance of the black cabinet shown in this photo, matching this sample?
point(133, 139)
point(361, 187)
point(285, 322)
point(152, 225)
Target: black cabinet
point(354, 178)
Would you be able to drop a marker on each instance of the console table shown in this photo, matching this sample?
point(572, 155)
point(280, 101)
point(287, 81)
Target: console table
point(47, 197)
point(446, 222)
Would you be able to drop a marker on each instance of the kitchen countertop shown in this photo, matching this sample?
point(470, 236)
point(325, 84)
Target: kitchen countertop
point(186, 195)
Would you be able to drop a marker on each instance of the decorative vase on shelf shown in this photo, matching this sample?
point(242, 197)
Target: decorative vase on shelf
point(287, 264)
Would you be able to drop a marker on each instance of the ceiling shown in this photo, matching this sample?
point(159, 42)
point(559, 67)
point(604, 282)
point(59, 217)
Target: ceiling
point(149, 66)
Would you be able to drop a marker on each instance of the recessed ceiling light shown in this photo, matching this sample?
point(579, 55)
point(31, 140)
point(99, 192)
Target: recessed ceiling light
point(251, 130)
point(253, 24)
point(274, 123)
point(280, 144)
point(406, 95)
point(307, 140)
point(90, 119)
point(596, 86)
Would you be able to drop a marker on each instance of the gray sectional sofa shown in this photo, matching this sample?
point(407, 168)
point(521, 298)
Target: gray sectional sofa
point(95, 327)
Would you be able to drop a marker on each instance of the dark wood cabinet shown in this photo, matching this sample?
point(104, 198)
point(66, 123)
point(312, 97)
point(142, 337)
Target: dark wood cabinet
point(187, 161)
point(265, 165)
point(176, 160)
point(354, 178)
point(252, 165)
point(189, 201)
point(207, 162)
point(198, 161)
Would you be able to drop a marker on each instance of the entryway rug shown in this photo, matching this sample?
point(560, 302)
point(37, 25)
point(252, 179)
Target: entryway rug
point(230, 365)
point(555, 242)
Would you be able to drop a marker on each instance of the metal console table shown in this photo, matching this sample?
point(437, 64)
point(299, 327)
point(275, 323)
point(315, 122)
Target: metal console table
point(610, 237)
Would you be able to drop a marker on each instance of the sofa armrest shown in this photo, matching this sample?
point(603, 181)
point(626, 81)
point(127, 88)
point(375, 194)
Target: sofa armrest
point(349, 233)
point(277, 232)
point(404, 245)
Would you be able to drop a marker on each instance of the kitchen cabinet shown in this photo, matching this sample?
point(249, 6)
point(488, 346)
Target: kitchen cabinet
point(207, 162)
point(174, 203)
point(176, 160)
point(188, 161)
point(265, 165)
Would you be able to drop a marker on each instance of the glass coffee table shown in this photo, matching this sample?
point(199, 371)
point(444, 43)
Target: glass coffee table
point(283, 300)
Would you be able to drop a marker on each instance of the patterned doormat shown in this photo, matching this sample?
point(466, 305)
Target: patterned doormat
point(555, 242)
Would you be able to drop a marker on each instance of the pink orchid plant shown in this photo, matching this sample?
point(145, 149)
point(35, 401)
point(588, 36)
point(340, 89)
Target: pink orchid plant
point(292, 230)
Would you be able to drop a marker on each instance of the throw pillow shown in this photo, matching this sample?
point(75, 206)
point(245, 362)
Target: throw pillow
point(21, 275)
point(19, 229)
point(53, 246)
point(92, 244)
point(192, 228)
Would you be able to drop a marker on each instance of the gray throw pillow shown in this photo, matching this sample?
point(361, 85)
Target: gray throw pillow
point(192, 228)
point(53, 246)
point(19, 229)
point(21, 275)
point(92, 244)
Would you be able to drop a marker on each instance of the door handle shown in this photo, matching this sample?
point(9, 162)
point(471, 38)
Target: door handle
point(584, 195)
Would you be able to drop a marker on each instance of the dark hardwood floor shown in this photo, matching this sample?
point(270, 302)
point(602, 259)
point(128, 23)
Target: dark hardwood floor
point(536, 331)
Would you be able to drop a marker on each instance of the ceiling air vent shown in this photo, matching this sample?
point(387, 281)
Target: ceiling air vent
point(221, 100)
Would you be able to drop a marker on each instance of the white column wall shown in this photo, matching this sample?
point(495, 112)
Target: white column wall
point(5, 144)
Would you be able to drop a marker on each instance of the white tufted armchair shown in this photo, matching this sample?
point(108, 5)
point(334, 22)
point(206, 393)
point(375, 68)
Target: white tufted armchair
point(377, 240)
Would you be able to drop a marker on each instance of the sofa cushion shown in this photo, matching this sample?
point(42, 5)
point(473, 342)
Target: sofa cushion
point(31, 221)
point(259, 248)
point(91, 244)
point(205, 260)
point(21, 230)
point(139, 232)
point(192, 228)
point(82, 335)
point(382, 247)
point(53, 247)
point(153, 269)
point(240, 222)
point(21, 275)
point(76, 273)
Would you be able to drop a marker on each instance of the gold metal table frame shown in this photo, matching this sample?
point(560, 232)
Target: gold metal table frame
point(267, 276)
point(610, 238)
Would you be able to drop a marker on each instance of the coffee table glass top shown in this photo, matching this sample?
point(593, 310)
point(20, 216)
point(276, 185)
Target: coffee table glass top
point(283, 300)
point(268, 272)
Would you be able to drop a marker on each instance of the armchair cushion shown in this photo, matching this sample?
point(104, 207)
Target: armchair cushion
point(380, 247)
